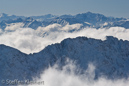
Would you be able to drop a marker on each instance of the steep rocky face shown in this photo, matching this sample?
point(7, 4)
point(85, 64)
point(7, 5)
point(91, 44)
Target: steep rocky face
point(111, 58)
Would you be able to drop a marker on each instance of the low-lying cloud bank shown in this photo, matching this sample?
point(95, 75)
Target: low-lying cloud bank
point(29, 40)
point(67, 77)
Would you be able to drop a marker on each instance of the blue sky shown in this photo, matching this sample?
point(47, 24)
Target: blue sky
point(116, 8)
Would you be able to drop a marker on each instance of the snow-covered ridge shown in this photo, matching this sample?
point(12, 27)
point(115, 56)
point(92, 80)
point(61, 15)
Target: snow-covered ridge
point(111, 54)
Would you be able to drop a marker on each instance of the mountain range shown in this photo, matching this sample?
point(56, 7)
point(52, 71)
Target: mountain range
point(111, 58)
point(88, 19)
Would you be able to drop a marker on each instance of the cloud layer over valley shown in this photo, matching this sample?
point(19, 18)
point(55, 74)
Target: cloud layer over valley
point(29, 40)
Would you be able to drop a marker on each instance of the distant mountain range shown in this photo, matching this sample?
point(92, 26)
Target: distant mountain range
point(88, 19)
point(111, 58)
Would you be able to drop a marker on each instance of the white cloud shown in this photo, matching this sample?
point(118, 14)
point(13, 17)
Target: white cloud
point(58, 27)
point(53, 27)
point(29, 40)
point(24, 39)
point(67, 77)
